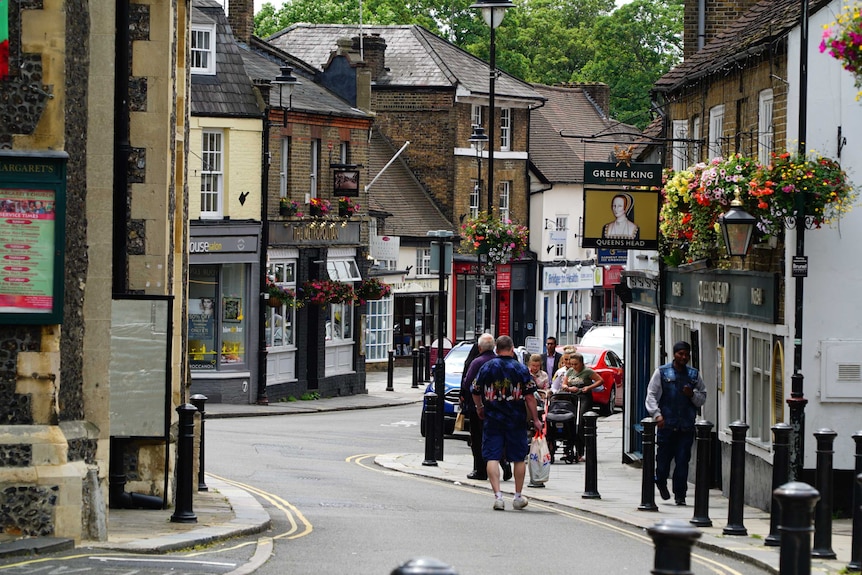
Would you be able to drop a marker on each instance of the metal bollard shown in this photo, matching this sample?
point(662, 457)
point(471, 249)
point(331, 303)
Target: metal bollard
point(673, 540)
point(648, 479)
point(199, 401)
point(780, 475)
point(856, 545)
point(427, 364)
point(701, 478)
point(423, 361)
point(390, 371)
point(185, 452)
point(591, 476)
point(430, 429)
point(424, 566)
point(415, 384)
point(797, 501)
point(736, 499)
point(823, 484)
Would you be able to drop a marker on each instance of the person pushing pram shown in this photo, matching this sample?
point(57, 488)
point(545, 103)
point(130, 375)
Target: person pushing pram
point(574, 396)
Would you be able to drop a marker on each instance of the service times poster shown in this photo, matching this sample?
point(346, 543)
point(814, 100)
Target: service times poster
point(27, 230)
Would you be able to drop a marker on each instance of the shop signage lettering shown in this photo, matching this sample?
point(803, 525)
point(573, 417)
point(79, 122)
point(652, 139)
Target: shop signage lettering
point(713, 292)
point(624, 243)
point(225, 244)
point(306, 233)
point(26, 168)
point(608, 173)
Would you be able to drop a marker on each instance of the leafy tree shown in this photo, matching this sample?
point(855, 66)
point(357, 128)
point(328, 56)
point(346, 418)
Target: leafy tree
point(632, 48)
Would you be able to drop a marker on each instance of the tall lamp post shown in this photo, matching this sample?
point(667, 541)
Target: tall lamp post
point(478, 140)
point(288, 81)
point(493, 12)
point(796, 402)
point(443, 266)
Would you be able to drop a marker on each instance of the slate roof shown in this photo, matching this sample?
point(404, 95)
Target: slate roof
point(756, 31)
point(399, 193)
point(264, 62)
point(414, 57)
point(570, 110)
point(228, 93)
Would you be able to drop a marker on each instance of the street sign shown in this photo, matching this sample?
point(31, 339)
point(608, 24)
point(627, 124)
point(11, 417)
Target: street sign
point(800, 266)
point(533, 344)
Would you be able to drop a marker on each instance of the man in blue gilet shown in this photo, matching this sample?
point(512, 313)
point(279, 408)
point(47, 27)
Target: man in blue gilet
point(674, 395)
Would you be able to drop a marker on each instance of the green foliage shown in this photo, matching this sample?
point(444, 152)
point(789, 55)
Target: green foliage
point(310, 396)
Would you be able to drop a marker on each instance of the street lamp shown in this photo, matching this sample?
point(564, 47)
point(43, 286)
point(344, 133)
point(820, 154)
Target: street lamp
point(493, 12)
point(737, 226)
point(285, 80)
point(443, 266)
point(478, 139)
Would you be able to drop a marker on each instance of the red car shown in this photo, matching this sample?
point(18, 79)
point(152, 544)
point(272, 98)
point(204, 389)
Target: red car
point(608, 365)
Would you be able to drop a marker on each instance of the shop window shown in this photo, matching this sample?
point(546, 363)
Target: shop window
point(339, 325)
point(734, 376)
point(343, 270)
point(378, 326)
point(760, 361)
point(280, 321)
point(218, 319)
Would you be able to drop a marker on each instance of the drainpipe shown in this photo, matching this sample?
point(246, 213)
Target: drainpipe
point(122, 150)
point(262, 399)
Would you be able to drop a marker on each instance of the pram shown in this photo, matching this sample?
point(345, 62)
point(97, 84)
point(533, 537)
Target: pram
point(563, 421)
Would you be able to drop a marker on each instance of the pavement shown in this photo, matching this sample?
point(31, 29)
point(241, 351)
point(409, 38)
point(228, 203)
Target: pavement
point(225, 511)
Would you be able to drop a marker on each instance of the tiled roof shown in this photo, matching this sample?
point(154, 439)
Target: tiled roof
point(397, 192)
point(414, 57)
point(228, 93)
point(570, 112)
point(755, 32)
point(261, 62)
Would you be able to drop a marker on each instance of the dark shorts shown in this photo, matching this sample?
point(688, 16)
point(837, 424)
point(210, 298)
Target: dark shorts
point(498, 442)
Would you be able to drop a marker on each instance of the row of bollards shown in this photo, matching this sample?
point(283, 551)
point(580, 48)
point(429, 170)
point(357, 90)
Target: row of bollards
point(183, 511)
point(421, 366)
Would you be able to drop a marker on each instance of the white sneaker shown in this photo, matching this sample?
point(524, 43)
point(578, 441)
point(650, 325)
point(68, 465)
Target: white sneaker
point(519, 502)
point(499, 505)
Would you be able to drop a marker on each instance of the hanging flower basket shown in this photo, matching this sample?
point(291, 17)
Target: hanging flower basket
point(319, 207)
point(843, 40)
point(501, 241)
point(279, 296)
point(322, 292)
point(372, 289)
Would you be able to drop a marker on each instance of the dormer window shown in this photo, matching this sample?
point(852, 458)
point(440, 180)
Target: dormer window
point(203, 57)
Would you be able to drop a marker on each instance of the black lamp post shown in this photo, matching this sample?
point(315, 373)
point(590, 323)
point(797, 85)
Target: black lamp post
point(443, 265)
point(737, 227)
point(478, 139)
point(493, 12)
point(285, 80)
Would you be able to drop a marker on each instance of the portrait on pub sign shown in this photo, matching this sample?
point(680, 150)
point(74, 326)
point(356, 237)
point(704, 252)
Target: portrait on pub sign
point(621, 219)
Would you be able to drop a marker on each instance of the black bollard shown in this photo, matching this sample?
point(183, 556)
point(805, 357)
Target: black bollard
point(780, 475)
point(648, 479)
point(427, 364)
point(415, 383)
point(736, 500)
point(823, 484)
point(199, 401)
point(856, 541)
point(701, 479)
point(797, 501)
point(591, 476)
point(673, 540)
point(185, 452)
point(423, 361)
point(424, 566)
point(390, 371)
point(430, 429)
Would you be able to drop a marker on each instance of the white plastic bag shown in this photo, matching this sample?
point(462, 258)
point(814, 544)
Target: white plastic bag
point(539, 459)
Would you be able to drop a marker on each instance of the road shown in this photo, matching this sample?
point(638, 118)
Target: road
point(334, 511)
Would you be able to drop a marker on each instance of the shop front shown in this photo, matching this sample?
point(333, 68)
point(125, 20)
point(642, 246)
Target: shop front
point(566, 297)
point(223, 310)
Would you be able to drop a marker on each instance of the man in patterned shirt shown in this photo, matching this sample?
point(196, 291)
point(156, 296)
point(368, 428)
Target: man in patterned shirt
point(504, 394)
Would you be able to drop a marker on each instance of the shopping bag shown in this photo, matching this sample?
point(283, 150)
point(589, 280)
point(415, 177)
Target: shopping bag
point(539, 459)
point(459, 422)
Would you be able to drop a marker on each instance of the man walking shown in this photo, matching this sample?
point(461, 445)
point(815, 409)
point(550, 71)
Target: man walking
point(504, 395)
point(586, 325)
point(674, 394)
point(551, 359)
point(485, 348)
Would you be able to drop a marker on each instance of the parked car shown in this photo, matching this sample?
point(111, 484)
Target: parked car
point(609, 366)
point(454, 362)
point(606, 336)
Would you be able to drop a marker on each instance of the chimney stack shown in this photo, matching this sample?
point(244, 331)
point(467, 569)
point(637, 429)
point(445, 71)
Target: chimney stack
point(374, 48)
point(240, 16)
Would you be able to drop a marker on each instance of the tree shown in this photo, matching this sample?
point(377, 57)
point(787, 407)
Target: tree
point(632, 48)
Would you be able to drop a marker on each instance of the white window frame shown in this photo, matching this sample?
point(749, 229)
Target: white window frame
point(212, 173)
point(760, 388)
point(339, 328)
point(765, 127)
point(505, 129)
point(474, 199)
point(202, 58)
point(680, 145)
point(734, 393)
point(716, 130)
point(423, 261)
point(314, 164)
point(476, 115)
point(694, 154)
point(284, 168)
point(378, 329)
point(561, 223)
point(505, 196)
point(283, 273)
